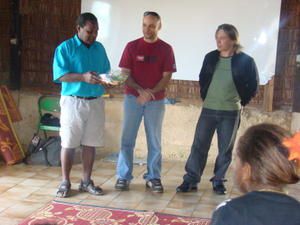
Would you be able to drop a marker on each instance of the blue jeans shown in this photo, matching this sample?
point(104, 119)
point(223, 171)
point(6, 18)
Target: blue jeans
point(153, 113)
point(226, 123)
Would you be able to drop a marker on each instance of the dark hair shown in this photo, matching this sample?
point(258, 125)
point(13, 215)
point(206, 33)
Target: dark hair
point(84, 17)
point(232, 33)
point(152, 13)
point(261, 147)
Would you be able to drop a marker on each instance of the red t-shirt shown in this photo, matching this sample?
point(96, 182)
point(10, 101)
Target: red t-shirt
point(147, 62)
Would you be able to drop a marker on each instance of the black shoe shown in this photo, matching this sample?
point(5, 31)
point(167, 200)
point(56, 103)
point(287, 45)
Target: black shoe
point(186, 187)
point(122, 185)
point(219, 187)
point(155, 185)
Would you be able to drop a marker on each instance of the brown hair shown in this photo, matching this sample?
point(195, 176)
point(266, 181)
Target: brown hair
point(261, 147)
point(232, 33)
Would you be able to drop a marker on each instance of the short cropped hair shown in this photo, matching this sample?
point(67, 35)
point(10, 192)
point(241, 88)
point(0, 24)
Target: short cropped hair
point(84, 17)
point(152, 13)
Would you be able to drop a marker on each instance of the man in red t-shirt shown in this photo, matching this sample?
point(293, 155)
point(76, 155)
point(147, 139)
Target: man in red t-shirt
point(149, 63)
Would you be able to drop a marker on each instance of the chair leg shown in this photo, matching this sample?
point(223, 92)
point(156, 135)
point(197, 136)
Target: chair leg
point(45, 133)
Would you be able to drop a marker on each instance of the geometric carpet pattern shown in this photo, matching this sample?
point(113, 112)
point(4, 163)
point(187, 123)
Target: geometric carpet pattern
point(60, 213)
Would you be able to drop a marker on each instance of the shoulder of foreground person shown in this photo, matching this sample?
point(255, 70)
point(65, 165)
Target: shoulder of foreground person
point(227, 214)
point(232, 211)
point(261, 207)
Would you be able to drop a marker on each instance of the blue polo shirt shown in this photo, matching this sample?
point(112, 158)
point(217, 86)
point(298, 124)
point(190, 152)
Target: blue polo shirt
point(72, 56)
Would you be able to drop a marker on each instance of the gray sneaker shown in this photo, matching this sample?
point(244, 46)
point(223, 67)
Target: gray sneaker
point(155, 185)
point(122, 185)
point(90, 188)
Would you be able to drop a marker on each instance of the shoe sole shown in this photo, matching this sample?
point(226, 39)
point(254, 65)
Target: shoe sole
point(220, 193)
point(66, 194)
point(122, 188)
point(189, 190)
point(83, 190)
point(153, 190)
point(192, 188)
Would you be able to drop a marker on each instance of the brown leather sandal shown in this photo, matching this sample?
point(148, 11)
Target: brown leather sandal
point(64, 189)
point(90, 187)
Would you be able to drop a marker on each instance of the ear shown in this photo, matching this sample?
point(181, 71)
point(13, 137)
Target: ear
point(78, 28)
point(159, 25)
point(246, 173)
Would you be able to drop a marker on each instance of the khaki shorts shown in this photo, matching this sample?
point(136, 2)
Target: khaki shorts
point(82, 122)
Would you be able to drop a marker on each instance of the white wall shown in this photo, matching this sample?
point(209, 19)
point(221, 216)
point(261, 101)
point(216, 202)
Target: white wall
point(189, 26)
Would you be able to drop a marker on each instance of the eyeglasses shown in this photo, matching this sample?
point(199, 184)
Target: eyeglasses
point(152, 13)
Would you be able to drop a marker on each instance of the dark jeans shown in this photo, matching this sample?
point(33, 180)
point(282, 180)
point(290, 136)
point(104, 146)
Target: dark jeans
point(226, 123)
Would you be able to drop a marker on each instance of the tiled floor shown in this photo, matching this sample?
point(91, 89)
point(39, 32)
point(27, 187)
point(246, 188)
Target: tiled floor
point(24, 189)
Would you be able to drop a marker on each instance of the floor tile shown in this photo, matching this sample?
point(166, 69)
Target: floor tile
point(24, 189)
point(21, 210)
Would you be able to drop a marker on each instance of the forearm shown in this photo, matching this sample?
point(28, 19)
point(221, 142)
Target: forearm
point(72, 77)
point(163, 83)
point(130, 82)
point(87, 77)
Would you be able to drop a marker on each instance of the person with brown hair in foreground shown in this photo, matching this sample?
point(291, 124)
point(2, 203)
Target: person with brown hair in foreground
point(267, 160)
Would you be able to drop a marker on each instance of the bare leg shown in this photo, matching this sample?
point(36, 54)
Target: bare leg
point(87, 184)
point(67, 157)
point(88, 158)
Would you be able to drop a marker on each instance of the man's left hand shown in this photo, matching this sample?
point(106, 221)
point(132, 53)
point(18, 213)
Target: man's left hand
point(145, 96)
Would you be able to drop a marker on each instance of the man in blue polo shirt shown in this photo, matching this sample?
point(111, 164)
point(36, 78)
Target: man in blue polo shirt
point(77, 63)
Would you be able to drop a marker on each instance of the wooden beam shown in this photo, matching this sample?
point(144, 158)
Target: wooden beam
point(268, 96)
point(15, 47)
point(296, 102)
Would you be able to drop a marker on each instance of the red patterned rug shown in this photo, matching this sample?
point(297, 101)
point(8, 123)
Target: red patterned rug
point(60, 213)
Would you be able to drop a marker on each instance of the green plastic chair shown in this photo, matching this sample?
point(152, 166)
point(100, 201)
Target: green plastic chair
point(48, 104)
